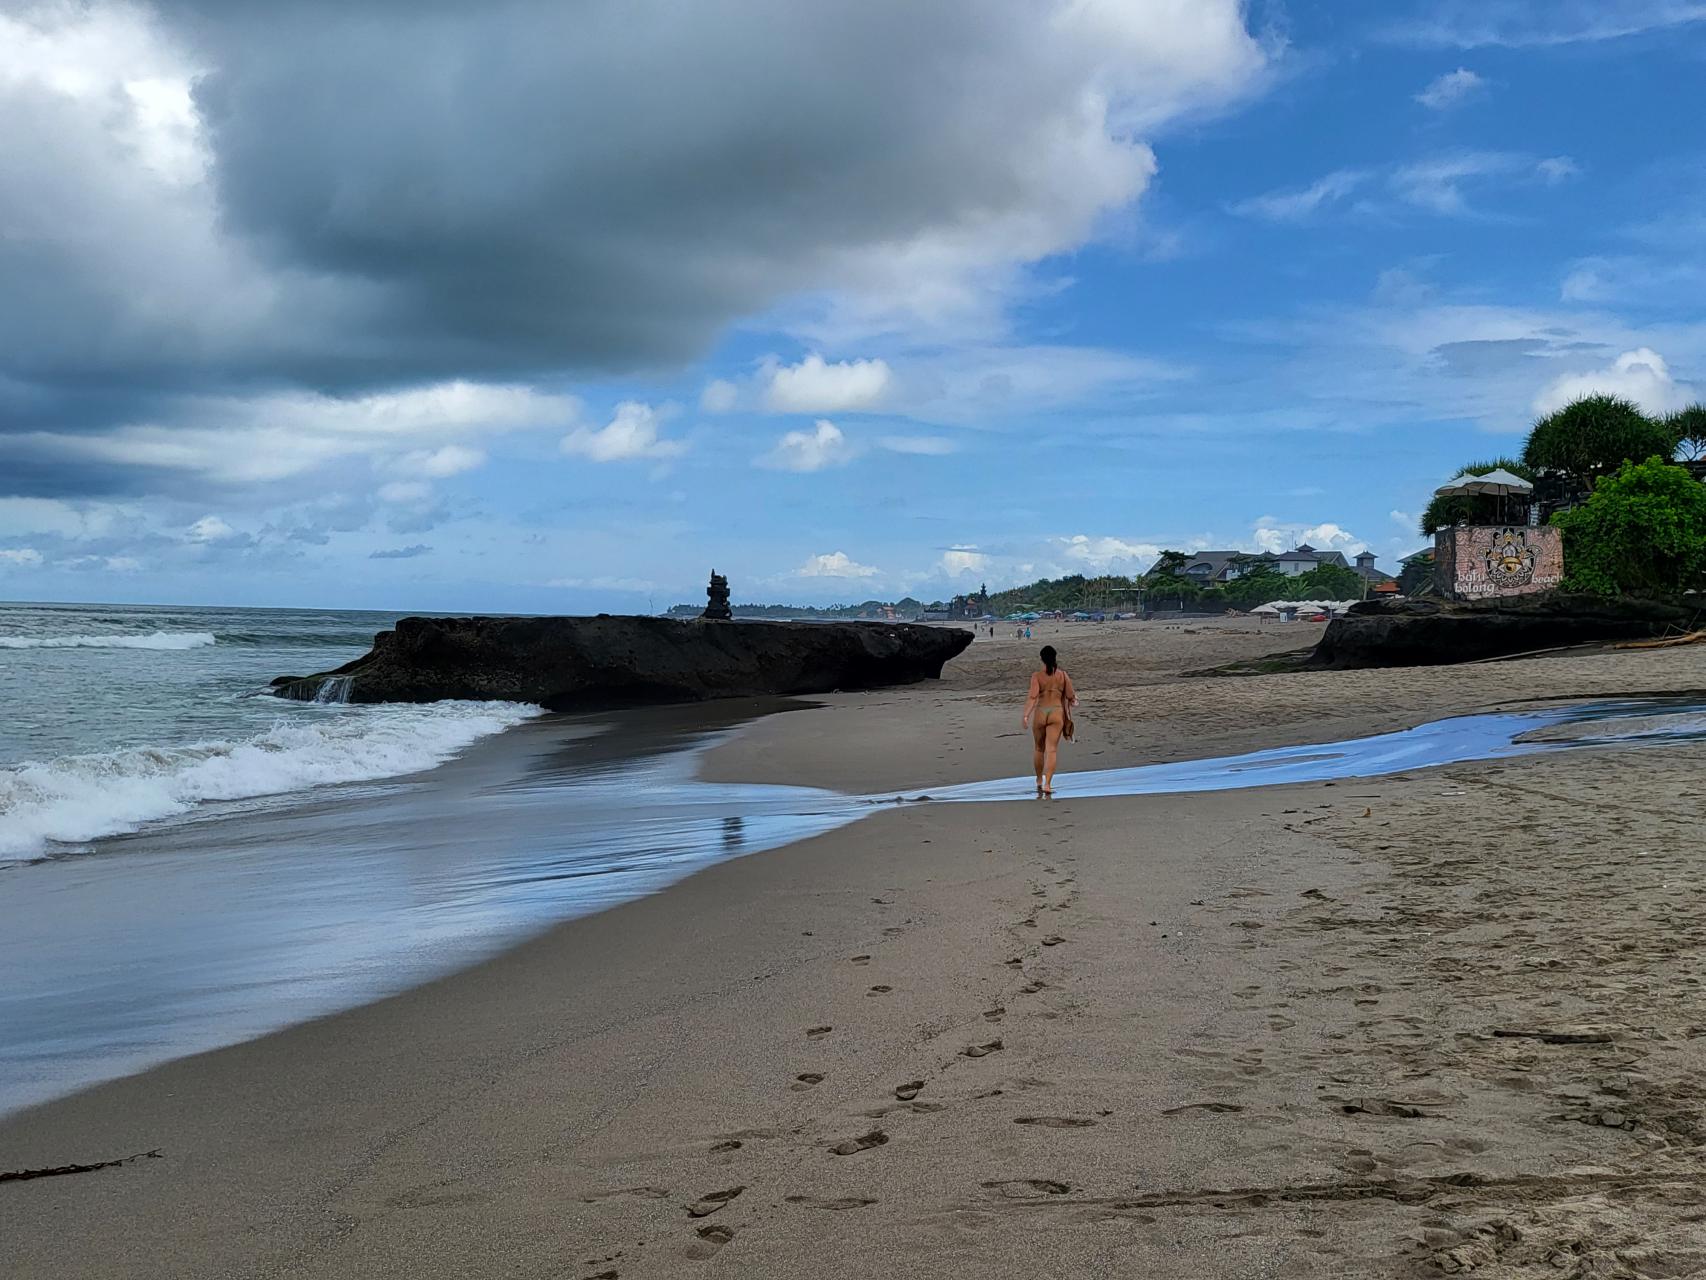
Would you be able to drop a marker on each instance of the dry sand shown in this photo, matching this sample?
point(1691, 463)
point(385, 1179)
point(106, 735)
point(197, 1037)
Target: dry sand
point(1247, 1034)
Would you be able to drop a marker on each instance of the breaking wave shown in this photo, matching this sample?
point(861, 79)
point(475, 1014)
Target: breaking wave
point(154, 640)
point(75, 799)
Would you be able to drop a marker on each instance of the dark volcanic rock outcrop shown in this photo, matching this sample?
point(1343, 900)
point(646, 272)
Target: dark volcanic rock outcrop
point(571, 664)
point(1414, 633)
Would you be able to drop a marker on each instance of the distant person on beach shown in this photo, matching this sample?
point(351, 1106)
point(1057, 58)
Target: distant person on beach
point(1048, 715)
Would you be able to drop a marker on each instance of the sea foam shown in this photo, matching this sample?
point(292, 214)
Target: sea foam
point(154, 640)
point(75, 799)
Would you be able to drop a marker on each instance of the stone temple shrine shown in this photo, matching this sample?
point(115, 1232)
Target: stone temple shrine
point(717, 599)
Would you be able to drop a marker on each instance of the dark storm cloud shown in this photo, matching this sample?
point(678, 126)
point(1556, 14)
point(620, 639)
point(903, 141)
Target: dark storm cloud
point(605, 185)
point(374, 194)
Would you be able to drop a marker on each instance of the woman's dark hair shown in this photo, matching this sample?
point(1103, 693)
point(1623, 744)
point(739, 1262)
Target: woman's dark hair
point(1048, 657)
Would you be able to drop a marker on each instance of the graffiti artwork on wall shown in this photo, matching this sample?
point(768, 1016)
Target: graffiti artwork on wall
point(1510, 560)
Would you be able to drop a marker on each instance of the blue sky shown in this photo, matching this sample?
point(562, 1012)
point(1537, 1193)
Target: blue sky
point(840, 300)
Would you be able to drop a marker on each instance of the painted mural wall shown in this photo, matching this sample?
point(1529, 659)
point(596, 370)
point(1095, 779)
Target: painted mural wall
point(1485, 561)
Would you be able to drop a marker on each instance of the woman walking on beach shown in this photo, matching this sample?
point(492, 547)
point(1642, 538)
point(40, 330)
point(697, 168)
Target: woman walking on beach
point(1048, 715)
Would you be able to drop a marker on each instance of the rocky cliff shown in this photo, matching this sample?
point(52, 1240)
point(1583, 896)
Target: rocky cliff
point(573, 664)
point(1414, 633)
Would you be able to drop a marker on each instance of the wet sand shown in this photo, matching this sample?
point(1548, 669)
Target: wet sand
point(1436, 1023)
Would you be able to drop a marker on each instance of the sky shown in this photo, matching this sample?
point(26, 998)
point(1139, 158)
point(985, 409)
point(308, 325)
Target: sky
point(530, 306)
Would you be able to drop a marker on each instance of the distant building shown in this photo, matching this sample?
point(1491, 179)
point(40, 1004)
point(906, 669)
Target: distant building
point(1214, 568)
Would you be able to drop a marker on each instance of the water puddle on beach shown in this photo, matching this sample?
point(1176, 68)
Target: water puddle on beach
point(209, 931)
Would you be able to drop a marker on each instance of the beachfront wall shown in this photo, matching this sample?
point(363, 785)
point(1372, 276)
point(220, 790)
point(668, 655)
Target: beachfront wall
point(1482, 562)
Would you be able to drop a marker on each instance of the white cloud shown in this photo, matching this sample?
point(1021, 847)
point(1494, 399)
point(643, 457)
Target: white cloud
point(979, 385)
point(1436, 184)
point(816, 386)
point(1297, 206)
point(211, 529)
point(1471, 24)
point(631, 433)
point(123, 564)
point(823, 446)
point(1273, 535)
point(1641, 375)
point(405, 491)
point(50, 515)
point(1634, 278)
point(1106, 554)
point(1403, 519)
point(1003, 138)
point(835, 564)
point(960, 560)
point(719, 396)
point(273, 437)
point(20, 557)
point(927, 446)
point(1451, 89)
point(450, 460)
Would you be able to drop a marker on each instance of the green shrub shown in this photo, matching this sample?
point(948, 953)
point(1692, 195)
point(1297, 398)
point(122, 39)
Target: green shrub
point(1642, 532)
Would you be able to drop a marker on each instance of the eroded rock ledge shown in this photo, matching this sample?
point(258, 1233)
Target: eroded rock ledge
point(1413, 633)
point(576, 664)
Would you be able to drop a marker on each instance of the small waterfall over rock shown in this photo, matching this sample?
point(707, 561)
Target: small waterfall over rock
point(334, 689)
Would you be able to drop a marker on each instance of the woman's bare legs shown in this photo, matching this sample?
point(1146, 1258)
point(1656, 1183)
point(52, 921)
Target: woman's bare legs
point(1039, 744)
point(1050, 752)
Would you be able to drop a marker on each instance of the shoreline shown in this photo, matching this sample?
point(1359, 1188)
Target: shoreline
point(564, 1107)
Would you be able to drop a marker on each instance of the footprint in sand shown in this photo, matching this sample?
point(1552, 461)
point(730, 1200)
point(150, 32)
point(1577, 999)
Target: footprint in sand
point(861, 960)
point(864, 1142)
point(1031, 988)
point(995, 1014)
point(643, 1193)
point(980, 1050)
point(1055, 1122)
point(815, 1032)
point(1053, 940)
point(1218, 1108)
point(711, 1201)
point(1382, 1107)
point(834, 1206)
point(879, 990)
point(733, 1144)
point(908, 1091)
point(1028, 1188)
point(806, 1080)
point(711, 1239)
point(893, 932)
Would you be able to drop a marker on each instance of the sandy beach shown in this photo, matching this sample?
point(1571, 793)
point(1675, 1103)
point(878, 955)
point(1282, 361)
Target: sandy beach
point(1442, 1022)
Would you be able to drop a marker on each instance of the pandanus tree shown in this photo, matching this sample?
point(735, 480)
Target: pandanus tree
point(1687, 430)
point(1593, 437)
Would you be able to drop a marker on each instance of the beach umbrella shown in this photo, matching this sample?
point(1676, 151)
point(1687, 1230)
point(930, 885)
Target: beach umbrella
point(1500, 484)
point(1495, 484)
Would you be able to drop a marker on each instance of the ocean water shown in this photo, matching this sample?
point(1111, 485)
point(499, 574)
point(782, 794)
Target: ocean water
point(116, 717)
